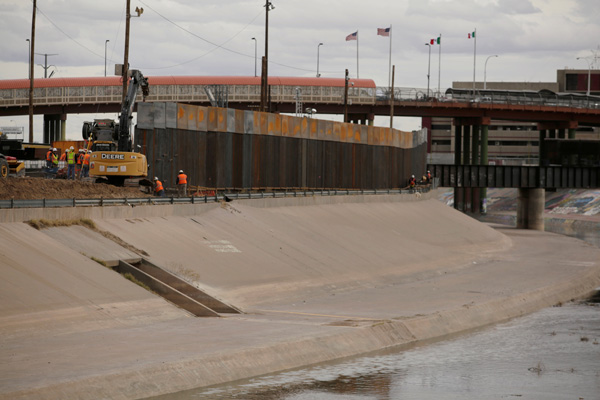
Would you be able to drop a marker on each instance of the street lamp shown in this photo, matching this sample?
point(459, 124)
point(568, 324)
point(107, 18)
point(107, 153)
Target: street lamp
point(255, 44)
point(46, 66)
point(485, 69)
point(318, 47)
point(589, 71)
point(105, 43)
point(428, 67)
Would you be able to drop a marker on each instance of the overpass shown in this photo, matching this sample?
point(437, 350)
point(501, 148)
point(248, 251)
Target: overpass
point(57, 97)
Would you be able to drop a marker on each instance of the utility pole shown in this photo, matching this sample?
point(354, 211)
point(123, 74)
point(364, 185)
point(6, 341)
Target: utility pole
point(392, 98)
point(126, 57)
point(264, 81)
point(31, 72)
point(346, 96)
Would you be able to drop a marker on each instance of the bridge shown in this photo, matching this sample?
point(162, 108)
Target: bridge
point(57, 97)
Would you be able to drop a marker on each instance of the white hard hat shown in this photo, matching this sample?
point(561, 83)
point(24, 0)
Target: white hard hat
point(155, 178)
point(181, 171)
point(54, 149)
point(81, 150)
point(412, 176)
point(71, 147)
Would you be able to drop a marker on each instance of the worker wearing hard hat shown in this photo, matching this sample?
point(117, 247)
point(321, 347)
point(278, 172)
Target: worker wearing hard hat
point(78, 163)
point(50, 155)
point(85, 165)
point(71, 163)
point(159, 190)
point(412, 182)
point(181, 184)
point(54, 158)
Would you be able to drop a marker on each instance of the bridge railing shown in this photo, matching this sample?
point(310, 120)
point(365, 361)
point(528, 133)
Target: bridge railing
point(183, 93)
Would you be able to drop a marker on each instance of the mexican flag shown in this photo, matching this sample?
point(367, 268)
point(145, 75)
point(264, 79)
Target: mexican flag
point(436, 41)
point(471, 35)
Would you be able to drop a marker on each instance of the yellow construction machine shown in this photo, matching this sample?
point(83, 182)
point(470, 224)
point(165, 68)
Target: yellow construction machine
point(112, 157)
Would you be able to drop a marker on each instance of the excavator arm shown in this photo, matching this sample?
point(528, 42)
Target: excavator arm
point(137, 80)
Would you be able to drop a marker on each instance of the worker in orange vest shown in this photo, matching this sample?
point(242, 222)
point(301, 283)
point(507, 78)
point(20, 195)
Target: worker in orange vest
point(158, 188)
point(85, 170)
point(49, 157)
point(181, 184)
point(412, 182)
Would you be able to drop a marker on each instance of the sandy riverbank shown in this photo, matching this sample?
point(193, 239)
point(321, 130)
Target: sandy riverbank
point(327, 279)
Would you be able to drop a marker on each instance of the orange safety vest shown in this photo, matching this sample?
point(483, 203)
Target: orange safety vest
point(159, 186)
point(63, 156)
point(54, 159)
point(49, 155)
point(182, 179)
point(86, 159)
point(79, 158)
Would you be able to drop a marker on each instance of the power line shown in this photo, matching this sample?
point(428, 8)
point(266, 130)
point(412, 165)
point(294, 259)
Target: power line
point(216, 46)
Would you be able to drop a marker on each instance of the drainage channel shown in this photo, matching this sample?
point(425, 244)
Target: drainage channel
point(175, 290)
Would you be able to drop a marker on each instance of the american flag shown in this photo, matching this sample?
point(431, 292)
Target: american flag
point(383, 31)
point(352, 36)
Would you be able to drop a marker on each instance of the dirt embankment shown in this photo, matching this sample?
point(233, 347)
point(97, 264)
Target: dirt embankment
point(40, 188)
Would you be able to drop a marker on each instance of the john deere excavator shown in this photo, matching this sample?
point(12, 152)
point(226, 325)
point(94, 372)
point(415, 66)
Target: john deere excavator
point(112, 158)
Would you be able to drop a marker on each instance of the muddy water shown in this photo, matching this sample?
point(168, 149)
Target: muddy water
point(552, 354)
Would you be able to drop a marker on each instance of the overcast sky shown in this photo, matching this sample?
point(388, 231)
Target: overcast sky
point(532, 38)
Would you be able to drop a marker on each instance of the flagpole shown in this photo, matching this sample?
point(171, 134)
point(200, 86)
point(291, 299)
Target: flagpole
point(474, 58)
point(357, 54)
point(439, 64)
point(390, 67)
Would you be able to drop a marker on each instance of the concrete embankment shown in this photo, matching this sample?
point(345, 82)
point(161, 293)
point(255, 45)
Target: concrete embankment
point(317, 279)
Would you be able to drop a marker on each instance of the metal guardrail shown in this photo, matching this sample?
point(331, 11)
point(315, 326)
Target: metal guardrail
point(133, 202)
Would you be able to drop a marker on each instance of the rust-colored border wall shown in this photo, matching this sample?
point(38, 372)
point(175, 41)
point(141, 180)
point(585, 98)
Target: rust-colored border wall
point(226, 148)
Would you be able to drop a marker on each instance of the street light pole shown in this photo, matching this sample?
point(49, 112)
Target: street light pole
point(31, 50)
point(428, 67)
point(255, 47)
point(485, 71)
point(589, 72)
point(46, 66)
point(105, 43)
point(318, 47)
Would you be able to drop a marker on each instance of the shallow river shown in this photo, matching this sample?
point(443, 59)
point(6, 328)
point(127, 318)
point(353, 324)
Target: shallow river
point(551, 354)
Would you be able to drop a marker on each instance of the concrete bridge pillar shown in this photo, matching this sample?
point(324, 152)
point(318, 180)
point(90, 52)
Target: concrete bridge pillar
point(458, 191)
point(484, 161)
point(530, 209)
point(52, 128)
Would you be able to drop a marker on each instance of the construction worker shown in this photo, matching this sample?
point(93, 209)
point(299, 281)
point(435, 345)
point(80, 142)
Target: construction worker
point(49, 163)
point(63, 156)
point(78, 163)
point(428, 177)
point(181, 184)
point(71, 163)
point(412, 182)
point(158, 188)
point(85, 166)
